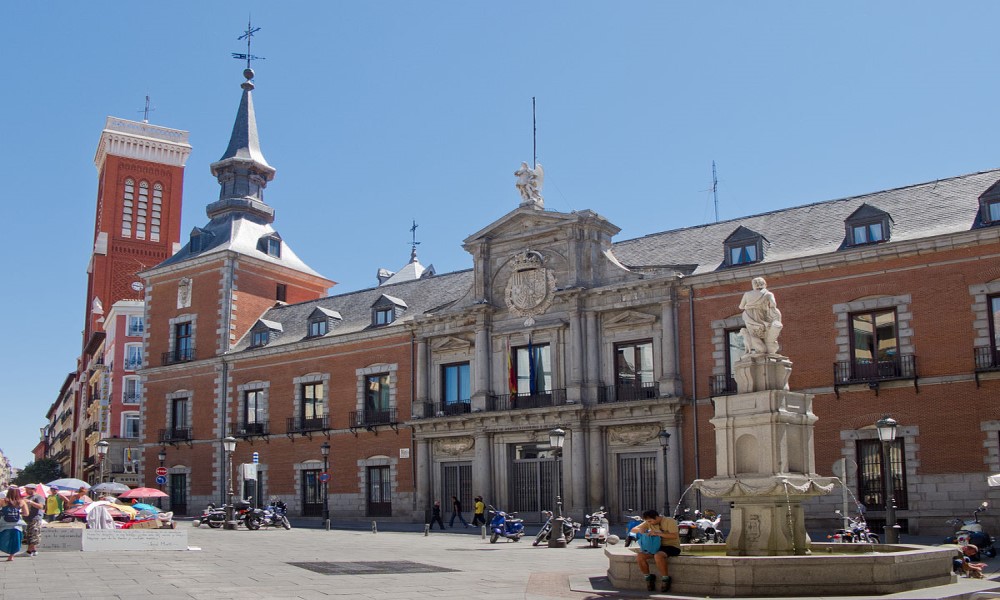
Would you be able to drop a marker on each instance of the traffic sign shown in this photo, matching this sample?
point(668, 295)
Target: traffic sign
point(160, 480)
point(256, 457)
point(324, 477)
point(161, 471)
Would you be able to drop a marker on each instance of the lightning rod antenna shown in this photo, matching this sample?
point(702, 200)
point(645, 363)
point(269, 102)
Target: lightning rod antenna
point(534, 137)
point(715, 192)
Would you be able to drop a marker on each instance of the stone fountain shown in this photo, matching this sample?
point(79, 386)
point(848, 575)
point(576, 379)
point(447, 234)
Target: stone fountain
point(766, 468)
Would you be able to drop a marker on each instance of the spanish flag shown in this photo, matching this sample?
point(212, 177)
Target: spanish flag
point(511, 372)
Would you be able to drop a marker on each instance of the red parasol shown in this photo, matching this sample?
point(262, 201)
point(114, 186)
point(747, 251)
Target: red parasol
point(143, 492)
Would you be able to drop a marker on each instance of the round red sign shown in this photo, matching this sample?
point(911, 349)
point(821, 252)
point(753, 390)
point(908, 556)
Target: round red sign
point(161, 471)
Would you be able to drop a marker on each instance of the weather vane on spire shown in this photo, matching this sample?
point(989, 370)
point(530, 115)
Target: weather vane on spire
point(248, 36)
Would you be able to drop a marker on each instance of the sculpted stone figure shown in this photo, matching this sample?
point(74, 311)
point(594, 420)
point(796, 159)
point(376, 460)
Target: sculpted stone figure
point(529, 184)
point(761, 319)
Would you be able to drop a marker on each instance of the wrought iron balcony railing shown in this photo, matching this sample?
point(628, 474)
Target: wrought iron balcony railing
point(175, 434)
point(987, 359)
point(258, 428)
point(179, 355)
point(302, 424)
point(372, 418)
point(721, 385)
point(625, 392)
point(451, 409)
point(547, 398)
point(846, 372)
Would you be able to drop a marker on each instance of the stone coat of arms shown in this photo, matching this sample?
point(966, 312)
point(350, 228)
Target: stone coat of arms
point(530, 287)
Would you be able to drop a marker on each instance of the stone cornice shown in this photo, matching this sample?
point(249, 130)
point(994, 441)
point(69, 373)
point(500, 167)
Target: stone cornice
point(142, 141)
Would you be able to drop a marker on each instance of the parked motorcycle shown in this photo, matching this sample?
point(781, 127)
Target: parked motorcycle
point(597, 528)
point(971, 532)
point(505, 525)
point(697, 527)
point(215, 516)
point(633, 519)
point(857, 532)
point(685, 524)
point(569, 528)
point(272, 515)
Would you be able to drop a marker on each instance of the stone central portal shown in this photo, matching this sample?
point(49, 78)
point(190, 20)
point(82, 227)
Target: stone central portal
point(765, 462)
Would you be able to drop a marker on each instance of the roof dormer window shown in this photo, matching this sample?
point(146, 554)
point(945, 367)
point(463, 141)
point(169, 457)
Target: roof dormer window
point(867, 225)
point(264, 332)
point(200, 240)
point(320, 321)
point(384, 316)
point(744, 247)
point(270, 245)
point(386, 309)
point(989, 205)
point(260, 338)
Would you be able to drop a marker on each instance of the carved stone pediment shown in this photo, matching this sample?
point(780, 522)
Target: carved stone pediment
point(454, 446)
point(450, 344)
point(629, 319)
point(632, 435)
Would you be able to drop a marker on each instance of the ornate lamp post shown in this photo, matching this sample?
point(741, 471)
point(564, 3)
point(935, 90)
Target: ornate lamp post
point(163, 457)
point(325, 450)
point(557, 539)
point(229, 445)
point(102, 451)
point(886, 427)
point(664, 436)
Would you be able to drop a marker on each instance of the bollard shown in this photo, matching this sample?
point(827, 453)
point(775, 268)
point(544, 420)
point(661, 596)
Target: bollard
point(374, 527)
point(484, 532)
point(427, 529)
point(327, 523)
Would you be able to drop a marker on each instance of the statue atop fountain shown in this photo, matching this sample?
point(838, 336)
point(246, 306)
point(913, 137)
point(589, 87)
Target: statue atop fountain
point(765, 458)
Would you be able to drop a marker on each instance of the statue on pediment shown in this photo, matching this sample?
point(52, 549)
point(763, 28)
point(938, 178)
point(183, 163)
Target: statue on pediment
point(529, 185)
point(761, 319)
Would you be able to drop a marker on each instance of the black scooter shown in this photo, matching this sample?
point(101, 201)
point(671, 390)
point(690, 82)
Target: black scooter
point(971, 532)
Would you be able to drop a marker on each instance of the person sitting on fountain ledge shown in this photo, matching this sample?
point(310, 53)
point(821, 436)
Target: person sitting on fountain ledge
point(661, 540)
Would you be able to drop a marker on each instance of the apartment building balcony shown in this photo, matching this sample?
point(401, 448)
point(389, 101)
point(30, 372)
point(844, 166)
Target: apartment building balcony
point(721, 385)
point(987, 360)
point(180, 355)
point(260, 429)
point(175, 435)
point(505, 402)
point(371, 419)
point(874, 372)
point(451, 409)
point(627, 392)
point(306, 427)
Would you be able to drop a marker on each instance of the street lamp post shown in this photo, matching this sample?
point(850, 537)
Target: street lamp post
point(102, 451)
point(163, 457)
point(557, 538)
point(665, 444)
point(325, 450)
point(886, 427)
point(229, 445)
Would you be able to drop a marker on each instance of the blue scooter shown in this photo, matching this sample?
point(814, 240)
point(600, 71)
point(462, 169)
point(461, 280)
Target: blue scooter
point(505, 525)
point(633, 520)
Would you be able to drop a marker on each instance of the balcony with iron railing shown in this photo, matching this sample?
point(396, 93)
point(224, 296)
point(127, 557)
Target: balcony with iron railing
point(371, 418)
point(258, 428)
point(721, 385)
point(987, 360)
point(305, 425)
point(504, 402)
point(846, 372)
point(179, 355)
point(451, 409)
point(131, 397)
point(627, 392)
point(175, 434)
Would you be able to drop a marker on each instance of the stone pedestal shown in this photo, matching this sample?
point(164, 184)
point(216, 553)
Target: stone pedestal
point(760, 372)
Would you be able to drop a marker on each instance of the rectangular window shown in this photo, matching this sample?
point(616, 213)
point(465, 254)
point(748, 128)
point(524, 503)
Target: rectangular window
point(130, 425)
point(317, 328)
point(634, 371)
point(312, 405)
point(994, 304)
point(253, 411)
point(383, 316)
point(376, 395)
point(281, 292)
point(994, 210)
point(259, 338)
point(273, 247)
point(869, 233)
point(180, 417)
point(133, 357)
point(312, 493)
point(533, 366)
point(456, 389)
point(183, 342)
point(871, 477)
point(135, 326)
point(875, 347)
point(742, 255)
point(132, 390)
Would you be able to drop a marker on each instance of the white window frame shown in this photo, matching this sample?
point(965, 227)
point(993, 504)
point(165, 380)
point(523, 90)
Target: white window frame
point(126, 417)
point(138, 390)
point(128, 350)
point(131, 330)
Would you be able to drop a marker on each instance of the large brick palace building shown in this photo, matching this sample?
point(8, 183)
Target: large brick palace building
point(432, 385)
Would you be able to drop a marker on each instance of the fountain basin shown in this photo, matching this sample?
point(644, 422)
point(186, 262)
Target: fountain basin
point(848, 570)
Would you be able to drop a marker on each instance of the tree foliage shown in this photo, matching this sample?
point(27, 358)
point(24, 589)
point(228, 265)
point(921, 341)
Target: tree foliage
point(40, 471)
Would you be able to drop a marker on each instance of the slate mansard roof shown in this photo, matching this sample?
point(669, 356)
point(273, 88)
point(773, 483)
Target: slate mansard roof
point(917, 211)
point(421, 296)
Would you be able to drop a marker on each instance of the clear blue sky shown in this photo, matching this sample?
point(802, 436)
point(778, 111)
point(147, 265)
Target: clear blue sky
point(376, 113)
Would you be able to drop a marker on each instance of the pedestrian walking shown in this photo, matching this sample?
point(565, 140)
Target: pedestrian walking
point(13, 509)
point(54, 506)
point(36, 507)
point(479, 512)
point(456, 512)
point(436, 515)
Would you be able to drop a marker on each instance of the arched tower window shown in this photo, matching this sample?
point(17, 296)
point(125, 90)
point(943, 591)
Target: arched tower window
point(154, 215)
point(129, 207)
point(141, 211)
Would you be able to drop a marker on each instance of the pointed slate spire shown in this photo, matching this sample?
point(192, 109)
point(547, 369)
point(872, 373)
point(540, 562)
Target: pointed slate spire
point(242, 171)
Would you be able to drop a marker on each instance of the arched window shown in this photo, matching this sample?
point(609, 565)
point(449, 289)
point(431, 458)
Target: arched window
point(129, 200)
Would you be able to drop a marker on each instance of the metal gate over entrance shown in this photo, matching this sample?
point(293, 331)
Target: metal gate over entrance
point(637, 483)
point(533, 481)
point(456, 480)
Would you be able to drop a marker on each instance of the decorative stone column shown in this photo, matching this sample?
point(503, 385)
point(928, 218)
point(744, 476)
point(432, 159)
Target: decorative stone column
point(482, 475)
point(422, 406)
point(669, 381)
point(482, 389)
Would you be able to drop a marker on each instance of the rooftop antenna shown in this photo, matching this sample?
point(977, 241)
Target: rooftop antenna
point(534, 137)
point(715, 192)
point(415, 243)
point(248, 36)
point(145, 112)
